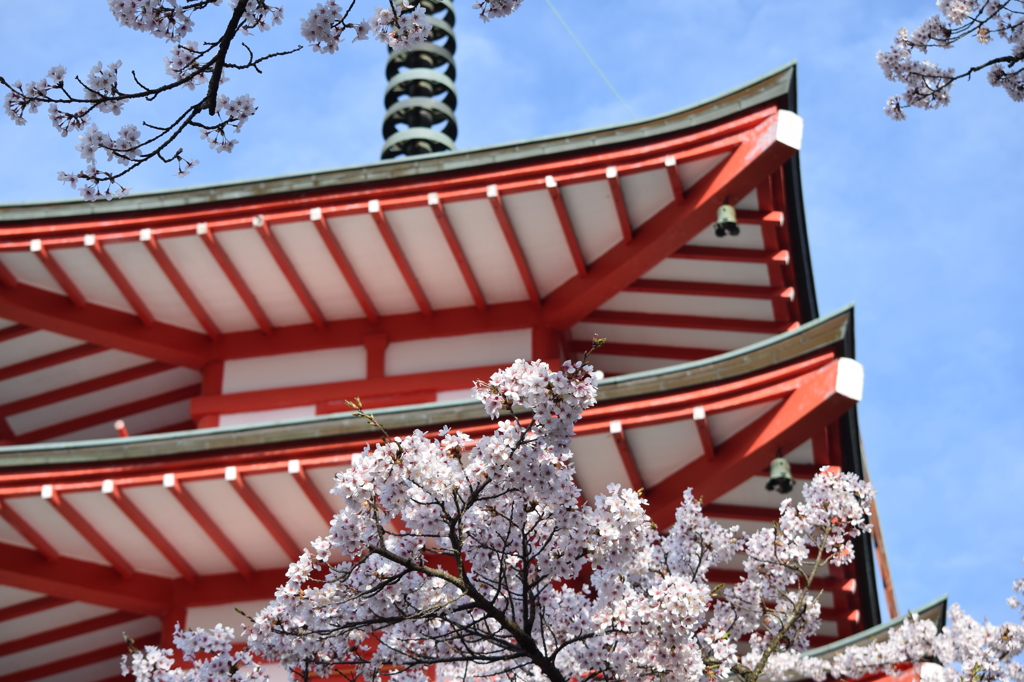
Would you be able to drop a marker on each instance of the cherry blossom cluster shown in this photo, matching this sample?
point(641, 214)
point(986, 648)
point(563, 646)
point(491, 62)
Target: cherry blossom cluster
point(398, 27)
point(494, 9)
point(927, 85)
point(208, 653)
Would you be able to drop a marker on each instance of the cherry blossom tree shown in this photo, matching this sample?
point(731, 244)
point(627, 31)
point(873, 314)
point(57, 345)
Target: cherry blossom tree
point(927, 85)
point(202, 65)
point(454, 558)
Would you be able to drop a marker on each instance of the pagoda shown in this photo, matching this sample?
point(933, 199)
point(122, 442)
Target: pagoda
point(223, 328)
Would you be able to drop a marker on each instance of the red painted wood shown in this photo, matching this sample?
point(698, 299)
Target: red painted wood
point(770, 256)
point(646, 351)
point(757, 153)
point(211, 529)
point(65, 282)
point(26, 608)
point(400, 260)
point(626, 455)
point(346, 268)
point(566, 224)
point(289, 272)
point(122, 283)
point(153, 534)
point(615, 185)
point(14, 331)
point(182, 287)
point(686, 322)
point(7, 278)
point(460, 257)
point(231, 272)
point(704, 431)
point(104, 327)
point(673, 178)
point(314, 496)
point(92, 536)
point(269, 521)
point(66, 632)
point(109, 414)
point(213, 378)
point(112, 653)
point(83, 387)
point(709, 289)
point(376, 346)
point(513, 243)
point(42, 362)
point(26, 531)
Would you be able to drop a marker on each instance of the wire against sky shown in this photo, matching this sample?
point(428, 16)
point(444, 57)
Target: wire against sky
point(589, 58)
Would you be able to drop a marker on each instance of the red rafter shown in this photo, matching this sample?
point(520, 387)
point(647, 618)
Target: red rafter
point(110, 414)
point(36, 364)
point(229, 269)
point(317, 217)
point(179, 283)
point(120, 281)
point(647, 351)
point(626, 454)
point(615, 185)
point(377, 213)
point(83, 387)
point(296, 469)
point(708, 289)
point(686, 322)
point(66, 632)
point(453, 243)
point(6, 278)
point(673, 179)
point(28, 532)
point(778, 257)
point(14, 331)
point(289, 272)
point(91, 535)
point(151, 532)
point(209, 527)
point(513, 242)
point(32, 606)
point(112, 653)
point(58, 273)
point(700, 420)
point(563, 219)
point(269, 521)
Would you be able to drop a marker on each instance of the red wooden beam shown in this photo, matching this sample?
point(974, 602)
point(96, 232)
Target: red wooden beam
point(673, 178)
point(400, 260)
point(58, 273)
point(26, 531)
point(269, 521)
point(7, 278)
point(36, 364)
point(710, 289)
point(113, 653)
point(566, 224)
point(700, 420)
point(317, 217)
point(151, 532)
point(453, 243)
point(513, 242)
point(231, 272)
point(647, 351)
point(686, 322)
point(92, 536)
point(615, 185)
point(757, 152)
point(120, 281)
point(14, 331)
point(66, 632)
point(712, 253)
point(179, 283)
point(207, 524)
point(819, 398)
point(289, 272)
point(29, 607)
point(104, 327)
point(296, 469)
point(83, 387)
point(626, 454)
point(110, 414)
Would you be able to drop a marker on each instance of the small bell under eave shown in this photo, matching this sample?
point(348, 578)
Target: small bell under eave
point(780, 475)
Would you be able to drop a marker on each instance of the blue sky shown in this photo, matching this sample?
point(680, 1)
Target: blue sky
point(918, 222)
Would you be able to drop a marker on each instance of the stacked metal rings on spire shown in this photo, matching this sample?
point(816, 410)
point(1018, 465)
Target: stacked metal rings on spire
point(421, 94)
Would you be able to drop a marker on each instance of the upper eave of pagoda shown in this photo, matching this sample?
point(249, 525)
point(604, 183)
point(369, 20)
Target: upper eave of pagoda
point(776, 88)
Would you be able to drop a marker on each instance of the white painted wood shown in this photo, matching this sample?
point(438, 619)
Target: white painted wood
point(665, 336)
point(267, 416)
point(645, 194)
point(47, 619)
point(208, 617)
point(66, 373)
point(61, 535)
point(725, 425)
point(750, 237)
point(691, 173)
point(612, 364)
point(148, 280)
point(715, 272)
point(597, 464)
point(592, 212)
point(27, 269)
point(138, 423)
point(369, 256)
point(10, 596)
point(487, 252)
point(850, 379)
point(309, 256)
point(289, 504)
point(91, 279)
point(536, 224)
point(294, 369)
point(663, 449)
point(426, 250)
point(488, 349)
point(234, 518)
point(684, 304)
point(33, 345)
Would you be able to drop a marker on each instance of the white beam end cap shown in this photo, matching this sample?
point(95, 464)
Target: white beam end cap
point(107, 487)
point(89, 240)
point(615, 426)
point(550, 182)
point(316, 213)
point(294, 466)
point(850, 379)
point(433, 199)
point(35, 246)
point(231, 473)
point(168, 480)
point(374, 206)
point(790, 130)
point(699, 413)
point(46, 492)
